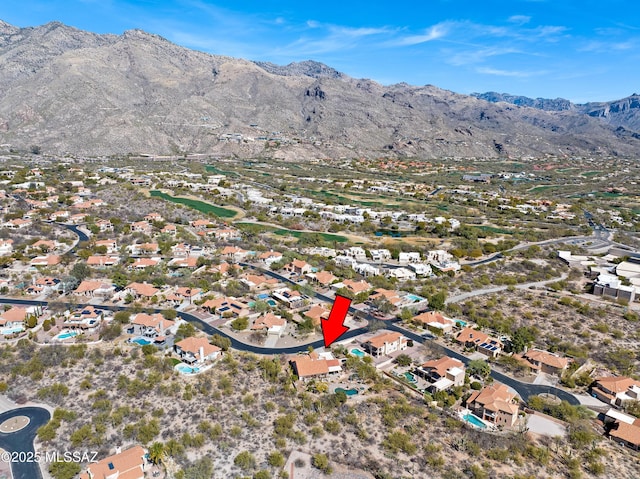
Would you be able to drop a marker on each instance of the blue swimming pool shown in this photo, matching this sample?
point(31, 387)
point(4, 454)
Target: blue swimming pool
point(474, 421)
point(11, 330)
point(410, 377)
point(263, 296)
point(141, 341)
point(65, 335)
point(357, 352)
point(348, 392)
point(461, 323)
point(414, 297)
point(183, 368)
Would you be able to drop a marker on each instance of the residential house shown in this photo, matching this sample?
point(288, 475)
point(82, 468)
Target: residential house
point(234, 253)
point(138, 249)
point(411, 257)
point(129, 464)
point(380, 255)
point(298, 267)
point(388, 294)
point(258, 281)
point(616, 390)
point(95, 288)
point(385, 344)
point(317, 313)
point(110, 244)
point(322, 278)
point(626, 434)
point(273, 324)
point(288, 297)
point(141, 290)
point(169, 229)
point(104, 225)
point(201, 225)
point(59, 215)
point(190, 262)
point(77, 218)
point(47, 260)
point(18, 223)
point(483, 343)
point(546, 362)
point(443, 373)
point(421, 269)
point(315, 365)
point(356, 252)
point(141, 227)
point(102, 261)
point(14, 317)
point(151, 217)
point(355, 287)
point(43, 246)
point(269, 257)
point(494, 403)
point(6, 247)
point(180, 250)
point(227, 307)
point(153, 326)
point(226, 234)
point(87, 318)
point(366, 269)
point(196, 350)
point(401, 274)
point(143, 263)
point(435, 322)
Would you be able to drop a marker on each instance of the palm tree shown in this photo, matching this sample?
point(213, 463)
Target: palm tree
point(157, 453)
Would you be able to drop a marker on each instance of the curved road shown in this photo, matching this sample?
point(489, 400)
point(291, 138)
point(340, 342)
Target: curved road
point(22, 441)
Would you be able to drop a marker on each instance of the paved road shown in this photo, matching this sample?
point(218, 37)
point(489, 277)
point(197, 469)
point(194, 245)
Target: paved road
point(22, 441)
point(525, 390)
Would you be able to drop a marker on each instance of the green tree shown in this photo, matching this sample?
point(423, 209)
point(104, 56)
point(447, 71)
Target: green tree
point(437, 300)
point(321, 461)
point(64, 469)
point(240, 324)
point(80, 271)
point(220, 341)
point(245, 461)
point(185, 330)
point(479, 367)
point(403, 360)
point(276, 459)
point(122, 317)
point(157, 452)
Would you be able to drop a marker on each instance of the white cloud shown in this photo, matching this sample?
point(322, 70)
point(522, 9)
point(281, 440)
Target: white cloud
point(432, 33)
point(519, 19)
point(510, 73)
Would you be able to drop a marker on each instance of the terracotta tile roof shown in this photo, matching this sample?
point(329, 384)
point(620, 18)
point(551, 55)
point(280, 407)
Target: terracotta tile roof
point(128, 463)
point(193, 345)
point(316, 313)
point(14, 314)
point(547, 358)
point(98, 260)
point(495, 398)
point(270, 254)
point(306, 366)
point(154, 321)
point(441, 365)
point(385, 338)
point(325, 277)
point(617, 384)
point(432, 317)
point(356, 286)
point(627, 432)
point(469, 335)
point(49, 260)
point(88, 285)
point(268, 321)
point(389, 294)
point(143, 289)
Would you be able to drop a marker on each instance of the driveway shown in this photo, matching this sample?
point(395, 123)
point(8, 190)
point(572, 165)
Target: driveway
point(545, 426)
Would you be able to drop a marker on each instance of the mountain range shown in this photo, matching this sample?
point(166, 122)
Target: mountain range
point(70, 91)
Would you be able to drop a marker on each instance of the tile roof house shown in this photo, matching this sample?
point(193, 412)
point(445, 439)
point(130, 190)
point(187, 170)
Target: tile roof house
point(444, 372)
point(435, 322)
point(128, 464)
point(273, 324)
point(626, 434)
point(298, 266)
point(270, 257)
point(317, 313)
point(102, 261)
point(95, 288)
point(616, 390)
point(196, 350)
point(142, 263)
point(546, 362)
point(385, 343)
point(485, 344)
point(84, 318)
point(13, 317)
point(356, 286)
point(229, 306)
point(313, 365)
point(495, 404)
point(48, 260)
point(151, 325)
point(141, 289)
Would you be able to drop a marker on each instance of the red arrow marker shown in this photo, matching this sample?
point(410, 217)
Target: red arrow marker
point(333, 327)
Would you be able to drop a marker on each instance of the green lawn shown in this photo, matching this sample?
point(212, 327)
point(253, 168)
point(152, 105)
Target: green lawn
point(285, 232)
point(196, 205)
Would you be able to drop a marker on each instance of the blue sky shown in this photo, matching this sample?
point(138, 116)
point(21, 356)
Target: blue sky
point(586, 50)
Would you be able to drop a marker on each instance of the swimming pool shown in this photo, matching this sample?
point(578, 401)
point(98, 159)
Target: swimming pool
point(183, 368)
point(357, 352)
point(65, 335)
point(410, 377)
point(11, 330)
point(141, 341)
point(474, 420)
point(348, 392)
point(461, 323)
point(263, 296)
point(414, 297)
